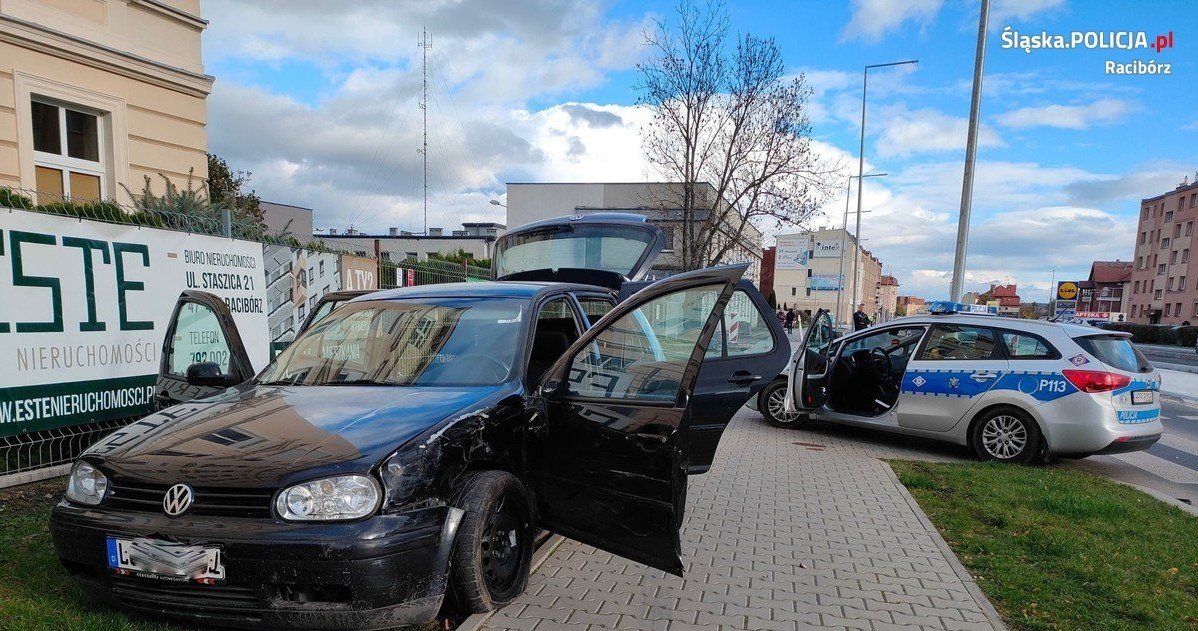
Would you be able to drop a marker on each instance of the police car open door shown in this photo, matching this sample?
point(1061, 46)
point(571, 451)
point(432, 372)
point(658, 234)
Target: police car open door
point(810, 363)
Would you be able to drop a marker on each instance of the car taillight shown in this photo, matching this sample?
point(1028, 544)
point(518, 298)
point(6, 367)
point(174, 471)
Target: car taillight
point(1096, 380)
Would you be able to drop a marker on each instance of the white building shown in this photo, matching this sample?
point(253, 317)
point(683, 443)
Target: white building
point(809, 267)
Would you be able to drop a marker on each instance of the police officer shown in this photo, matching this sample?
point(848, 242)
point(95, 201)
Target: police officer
point(860, 318)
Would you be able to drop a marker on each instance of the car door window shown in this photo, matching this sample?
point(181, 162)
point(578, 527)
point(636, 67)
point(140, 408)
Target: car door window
point(644, 354)
point(956, 342)
point(595, 308)
point(198, 338)
point(555, 331)
point(1021, 345)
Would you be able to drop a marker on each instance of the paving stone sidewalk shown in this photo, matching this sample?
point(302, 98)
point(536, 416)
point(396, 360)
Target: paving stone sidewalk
point(789, 530)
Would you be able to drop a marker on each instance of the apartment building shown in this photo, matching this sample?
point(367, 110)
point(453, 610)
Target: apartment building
point(97, 94)
point(1164, 281)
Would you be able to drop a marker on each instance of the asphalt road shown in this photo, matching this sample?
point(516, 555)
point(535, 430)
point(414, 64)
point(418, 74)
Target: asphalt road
point(1169, 467)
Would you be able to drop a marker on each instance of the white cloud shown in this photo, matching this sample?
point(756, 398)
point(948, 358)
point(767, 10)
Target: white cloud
point(1068, 116)
point(907, 132)
point(872, 19)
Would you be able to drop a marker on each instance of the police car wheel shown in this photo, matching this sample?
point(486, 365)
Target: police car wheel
point(1005, 435)
point(772, 403)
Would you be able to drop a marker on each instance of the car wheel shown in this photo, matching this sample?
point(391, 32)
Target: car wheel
point(772, 403)
point(492, 551)
point(1005, 435)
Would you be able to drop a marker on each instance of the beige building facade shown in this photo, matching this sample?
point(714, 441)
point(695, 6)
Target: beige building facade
point(95, 95)
point(808, 272)
point(1164, 281)
point(659, 201)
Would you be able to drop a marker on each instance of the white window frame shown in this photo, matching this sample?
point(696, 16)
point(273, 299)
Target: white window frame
point(111, 126)
point(64, 162)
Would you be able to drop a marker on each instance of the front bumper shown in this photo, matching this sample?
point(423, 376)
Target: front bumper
point(385, 571)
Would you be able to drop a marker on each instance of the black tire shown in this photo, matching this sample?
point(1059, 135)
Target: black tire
point(771, 410)
point(1005, 434)
point(492, 551)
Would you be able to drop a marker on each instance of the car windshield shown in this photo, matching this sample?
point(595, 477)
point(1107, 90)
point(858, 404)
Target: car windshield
point(1115, 351)
point(416, 342)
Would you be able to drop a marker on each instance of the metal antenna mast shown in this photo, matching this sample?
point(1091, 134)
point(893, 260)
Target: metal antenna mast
point(424, 46)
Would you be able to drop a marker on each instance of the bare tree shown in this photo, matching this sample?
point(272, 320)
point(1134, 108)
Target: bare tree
point(731, 119)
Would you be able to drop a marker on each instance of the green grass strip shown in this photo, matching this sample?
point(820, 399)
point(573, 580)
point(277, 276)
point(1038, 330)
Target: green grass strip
point(1055, 548)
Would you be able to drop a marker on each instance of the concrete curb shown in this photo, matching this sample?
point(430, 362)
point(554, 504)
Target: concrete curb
point(984, 603)
point(542, 554)
point(1164, 497)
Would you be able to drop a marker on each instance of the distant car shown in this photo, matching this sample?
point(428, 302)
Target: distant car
point(408, 444)
point(1009, 389)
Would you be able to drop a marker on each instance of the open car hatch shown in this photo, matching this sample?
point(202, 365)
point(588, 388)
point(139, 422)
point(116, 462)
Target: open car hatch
point(604, 249)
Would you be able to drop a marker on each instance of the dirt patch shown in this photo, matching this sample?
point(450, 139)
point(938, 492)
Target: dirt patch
point(33, 497)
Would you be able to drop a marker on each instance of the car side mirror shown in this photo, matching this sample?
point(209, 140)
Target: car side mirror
point(208, 374)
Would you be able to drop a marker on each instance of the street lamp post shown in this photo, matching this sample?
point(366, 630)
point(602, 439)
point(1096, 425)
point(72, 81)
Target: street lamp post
point(844, 235)
point(861, 160)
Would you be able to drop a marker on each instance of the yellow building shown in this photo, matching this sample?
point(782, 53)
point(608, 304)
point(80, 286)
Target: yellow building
point(97, 94)
point(809, 268)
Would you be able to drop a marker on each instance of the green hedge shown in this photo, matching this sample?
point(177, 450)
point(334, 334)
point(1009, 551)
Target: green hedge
point(1156, 334)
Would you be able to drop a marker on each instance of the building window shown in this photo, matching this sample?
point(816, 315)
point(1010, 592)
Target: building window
point(1160, 269)
point(1185, 255)
point(1193, 200)
point(67, 152)
point(1168, 309)
point(386, 255)
point(1137, 288)
point(1189, 228)
point(1169, 215)
point(1165, 243)
point(1171, 279)
point(1176, 230)
point(794, 291)
point(1196, 308)
point(1144, 214)
point(1139, 262)
point(322, 269)
point(1181, 283)
point(1156, 295)
point(1173, 257)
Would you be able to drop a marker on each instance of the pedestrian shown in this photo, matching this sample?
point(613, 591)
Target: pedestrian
point(791, 316)
point(861, 318)
point(782, 317)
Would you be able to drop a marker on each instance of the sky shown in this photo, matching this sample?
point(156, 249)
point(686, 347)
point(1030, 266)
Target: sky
point(320, 101)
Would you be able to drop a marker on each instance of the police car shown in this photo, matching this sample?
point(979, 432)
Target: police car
point(1009, 389)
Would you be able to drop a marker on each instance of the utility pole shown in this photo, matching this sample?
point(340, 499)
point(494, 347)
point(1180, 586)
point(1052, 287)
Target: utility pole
point(424, 46)
point(971, 150)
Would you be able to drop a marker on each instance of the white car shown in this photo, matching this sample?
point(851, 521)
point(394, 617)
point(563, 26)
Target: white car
point(1009, 389)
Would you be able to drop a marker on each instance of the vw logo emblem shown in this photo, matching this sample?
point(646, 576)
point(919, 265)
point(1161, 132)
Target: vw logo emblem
point(177, 500)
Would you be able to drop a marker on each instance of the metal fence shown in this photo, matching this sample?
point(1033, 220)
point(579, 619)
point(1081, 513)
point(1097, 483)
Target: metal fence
point(410, 272)
point(43, 454)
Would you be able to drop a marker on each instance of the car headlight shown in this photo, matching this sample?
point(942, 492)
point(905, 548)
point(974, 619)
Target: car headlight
point(340, 497)
point(86, 485)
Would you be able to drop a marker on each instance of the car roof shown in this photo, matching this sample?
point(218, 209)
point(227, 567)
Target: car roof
point(1072, 330)
point(483, 289)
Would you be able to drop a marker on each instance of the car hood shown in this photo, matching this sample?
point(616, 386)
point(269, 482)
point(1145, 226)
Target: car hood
point(259, 436)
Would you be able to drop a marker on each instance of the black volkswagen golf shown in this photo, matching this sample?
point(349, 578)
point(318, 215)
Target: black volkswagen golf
point(407, 445)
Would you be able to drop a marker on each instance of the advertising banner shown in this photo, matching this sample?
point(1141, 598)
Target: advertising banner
point(824, 282)
point(826, 249)
point(86, 305)
point(792, 251)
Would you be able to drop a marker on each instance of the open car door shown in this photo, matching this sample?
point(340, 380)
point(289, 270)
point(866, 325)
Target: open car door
point(604, 249)
point(747, 351)
point(810, 364)
point(202, 353)
point(605, 447)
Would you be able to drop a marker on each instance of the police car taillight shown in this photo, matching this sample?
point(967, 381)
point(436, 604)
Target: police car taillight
point(1096, 380)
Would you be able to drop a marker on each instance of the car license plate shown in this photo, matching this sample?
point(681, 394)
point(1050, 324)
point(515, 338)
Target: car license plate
point(1141, 397)
point(164, 560)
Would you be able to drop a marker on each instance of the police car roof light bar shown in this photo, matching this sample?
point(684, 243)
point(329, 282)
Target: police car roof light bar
point(947, 307)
